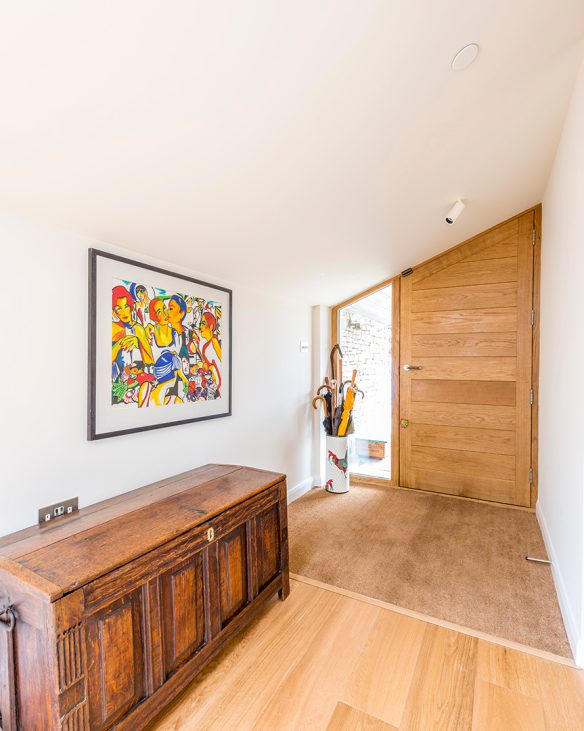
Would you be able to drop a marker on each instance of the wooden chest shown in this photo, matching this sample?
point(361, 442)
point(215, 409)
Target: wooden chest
point(120, 606)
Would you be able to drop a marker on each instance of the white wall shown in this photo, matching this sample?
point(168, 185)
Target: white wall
point(561, 436)
point(43, 372)
point(321, 339)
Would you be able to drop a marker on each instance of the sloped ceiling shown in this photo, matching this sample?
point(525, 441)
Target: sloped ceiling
point(311, 148)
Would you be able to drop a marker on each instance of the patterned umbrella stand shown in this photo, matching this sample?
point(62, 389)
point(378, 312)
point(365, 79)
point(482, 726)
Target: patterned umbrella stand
point(337, 464)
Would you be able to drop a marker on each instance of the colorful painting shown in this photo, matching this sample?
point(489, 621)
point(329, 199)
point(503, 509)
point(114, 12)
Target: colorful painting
point(166, 347)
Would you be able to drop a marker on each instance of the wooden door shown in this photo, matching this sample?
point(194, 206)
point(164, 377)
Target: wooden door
point(116, 675)
point(466, 327)
point(185, 626)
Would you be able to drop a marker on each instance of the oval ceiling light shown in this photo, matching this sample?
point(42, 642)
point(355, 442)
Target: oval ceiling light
point(465, 57)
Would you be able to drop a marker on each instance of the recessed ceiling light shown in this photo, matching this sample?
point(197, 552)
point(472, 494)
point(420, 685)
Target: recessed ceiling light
point(465, 57)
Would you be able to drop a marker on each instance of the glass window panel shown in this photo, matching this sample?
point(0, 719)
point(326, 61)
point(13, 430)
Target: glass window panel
point(365, 339)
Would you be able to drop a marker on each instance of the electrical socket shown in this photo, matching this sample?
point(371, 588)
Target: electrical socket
point(57, 510)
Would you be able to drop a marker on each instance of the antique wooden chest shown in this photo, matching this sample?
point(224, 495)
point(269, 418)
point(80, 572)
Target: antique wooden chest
point(105, 616)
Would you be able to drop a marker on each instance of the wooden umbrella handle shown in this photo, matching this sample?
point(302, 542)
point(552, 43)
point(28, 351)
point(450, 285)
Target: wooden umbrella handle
point(336, 350)
point(315, 401)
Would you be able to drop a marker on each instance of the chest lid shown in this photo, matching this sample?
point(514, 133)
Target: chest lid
point(102, 537)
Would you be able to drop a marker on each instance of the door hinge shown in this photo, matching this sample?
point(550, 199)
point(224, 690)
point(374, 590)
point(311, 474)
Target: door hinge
point(533, 237)
point(407, 272)
point(531, 394)
point(531, 475)
point(532, 317)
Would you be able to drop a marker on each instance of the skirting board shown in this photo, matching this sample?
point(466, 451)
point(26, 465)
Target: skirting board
point(572, 630)
point(300, 489)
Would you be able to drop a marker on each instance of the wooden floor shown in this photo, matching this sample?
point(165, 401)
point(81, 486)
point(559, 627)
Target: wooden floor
point(321, 660)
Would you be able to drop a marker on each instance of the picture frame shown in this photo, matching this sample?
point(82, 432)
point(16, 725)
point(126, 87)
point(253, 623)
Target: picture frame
point(160, 348)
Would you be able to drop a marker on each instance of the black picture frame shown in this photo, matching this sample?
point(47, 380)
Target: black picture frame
point(92, 433)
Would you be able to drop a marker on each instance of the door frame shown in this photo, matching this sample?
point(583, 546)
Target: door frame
point(395, 366)
point(395, 283)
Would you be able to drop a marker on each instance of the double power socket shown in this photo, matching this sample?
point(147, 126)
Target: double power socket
point(58, 510)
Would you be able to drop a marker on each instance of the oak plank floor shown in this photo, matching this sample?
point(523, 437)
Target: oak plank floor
point(321, 660)
point(347, 718)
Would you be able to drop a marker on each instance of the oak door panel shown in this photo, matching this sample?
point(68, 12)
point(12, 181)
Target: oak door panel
point(472, 486)
point(507, 231)
point(478, 296)
point(465, 368)
point(466, 326)
point(487, 320)
point(234, 572)
point(460, 415)
point(490, 271)
point(501, 250)
point(116, 679)
point(184, 589)
point(464, 344)
point(496, 393)
point(268, 545)
point(493, 441)
point(462, 462)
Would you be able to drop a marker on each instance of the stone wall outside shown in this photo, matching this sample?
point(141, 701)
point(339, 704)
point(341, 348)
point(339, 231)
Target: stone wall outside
point(366, 346)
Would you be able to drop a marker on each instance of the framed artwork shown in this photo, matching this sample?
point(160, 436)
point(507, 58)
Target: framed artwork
point(159, 348)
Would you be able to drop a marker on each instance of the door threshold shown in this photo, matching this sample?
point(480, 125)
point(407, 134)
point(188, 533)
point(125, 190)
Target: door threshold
point(493, 639)
point(382, 482)
point(359, 479)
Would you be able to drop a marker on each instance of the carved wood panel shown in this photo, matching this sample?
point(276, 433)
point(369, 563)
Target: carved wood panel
point(183, 603)
point(72, 684)
point(233, 572)
point(70, 657)
point(268, 545)
point(76, 720)
point(115, 646)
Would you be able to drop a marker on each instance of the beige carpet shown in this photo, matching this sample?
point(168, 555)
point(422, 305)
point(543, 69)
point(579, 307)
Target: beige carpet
point(453, 559)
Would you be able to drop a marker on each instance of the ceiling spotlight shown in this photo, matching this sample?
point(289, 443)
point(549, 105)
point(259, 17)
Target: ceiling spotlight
point(465, 57)
point(454, 212)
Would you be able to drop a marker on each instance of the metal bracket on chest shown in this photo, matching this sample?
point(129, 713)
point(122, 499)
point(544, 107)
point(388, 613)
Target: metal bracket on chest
point(8, 617)
point(8, 716)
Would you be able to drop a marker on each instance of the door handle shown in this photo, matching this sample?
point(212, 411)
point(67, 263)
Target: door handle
point(408, 367)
